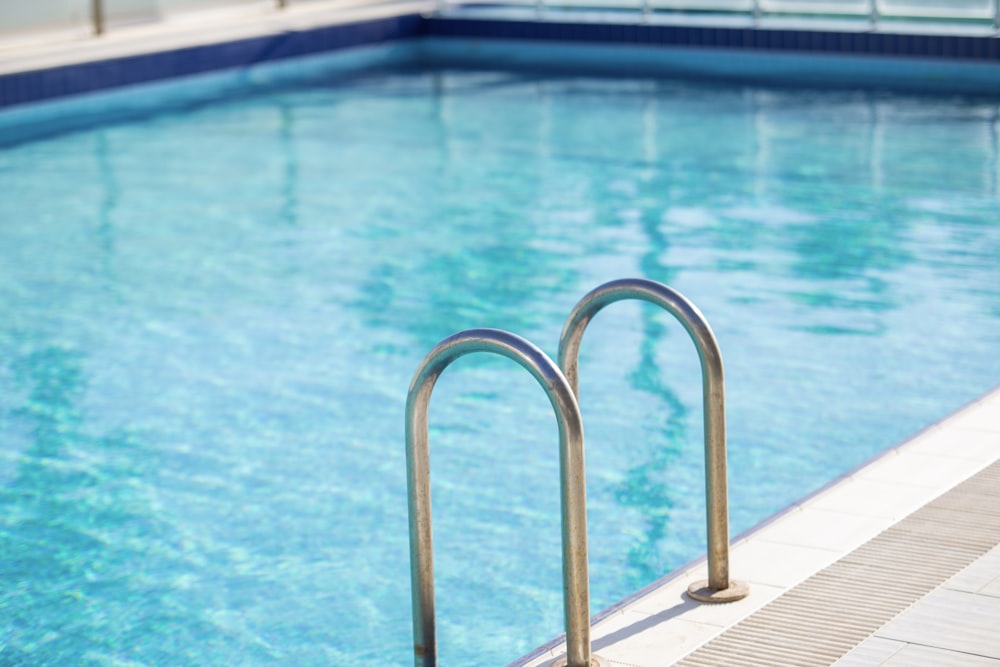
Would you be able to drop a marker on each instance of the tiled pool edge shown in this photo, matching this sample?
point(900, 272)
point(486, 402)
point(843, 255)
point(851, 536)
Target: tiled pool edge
point(795, 54)
point(867, 589)
point(955, 622)
point(89, 74)
point(660, 624)
point(817, 39)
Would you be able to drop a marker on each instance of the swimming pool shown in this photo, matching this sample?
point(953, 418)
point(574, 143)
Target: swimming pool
point(212, 314)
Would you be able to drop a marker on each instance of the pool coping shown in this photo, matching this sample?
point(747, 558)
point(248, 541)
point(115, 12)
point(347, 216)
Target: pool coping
point(921, 586)
point(660, 625)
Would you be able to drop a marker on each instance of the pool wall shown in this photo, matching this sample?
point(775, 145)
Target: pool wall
point(72, 79)
point(752, 65)
point(952, 62)
point(952, 47)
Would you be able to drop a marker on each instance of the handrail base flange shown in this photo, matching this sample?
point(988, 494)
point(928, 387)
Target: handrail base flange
point(700, 591)
point(595, 661)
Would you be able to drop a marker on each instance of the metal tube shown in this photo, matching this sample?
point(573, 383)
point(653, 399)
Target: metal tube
point(873, 13)
point(576, 587)
point(996, 14)
point(97, 16)
point(713, 396)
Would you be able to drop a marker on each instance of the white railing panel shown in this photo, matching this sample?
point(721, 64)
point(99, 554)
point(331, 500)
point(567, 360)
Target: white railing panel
point(125, 12)
point(834, 7)
point(596, 4)
point(944, 9)
point(181, 6)
point(741, 6)
point(27, 18)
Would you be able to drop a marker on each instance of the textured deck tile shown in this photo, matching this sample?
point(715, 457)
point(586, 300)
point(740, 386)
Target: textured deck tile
point(916, 469)
point(718, 615)
point(926, 656)
point(871, 590)
point(822, 529)
point(873, 651)
point(954, 620)
point(763, 562)
point(985, 416)
point(871, 497)
point(983, 577)
point(979, 445)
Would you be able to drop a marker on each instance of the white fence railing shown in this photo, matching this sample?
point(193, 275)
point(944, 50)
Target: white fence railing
point(77, 18)
point(983, 12)
point(31, 20)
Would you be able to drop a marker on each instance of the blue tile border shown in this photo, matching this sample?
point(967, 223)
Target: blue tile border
point(951, 47)
point(39, 85)
point(35, 86)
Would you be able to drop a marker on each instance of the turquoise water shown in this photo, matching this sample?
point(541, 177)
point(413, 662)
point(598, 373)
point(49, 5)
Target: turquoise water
point(212, 313)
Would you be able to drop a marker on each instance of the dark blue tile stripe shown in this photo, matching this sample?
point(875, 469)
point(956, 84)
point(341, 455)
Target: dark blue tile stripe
point(39, 85)
point(952, 47)
point(45, 84)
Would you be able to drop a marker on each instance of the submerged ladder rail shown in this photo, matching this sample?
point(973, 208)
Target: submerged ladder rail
point(719, 587)
point(576, 587)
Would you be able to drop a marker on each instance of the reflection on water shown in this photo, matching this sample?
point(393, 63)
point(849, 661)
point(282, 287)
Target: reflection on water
point(645, 488)
point(477, 255)
point(289, 210)
point(76, 518)
point(105, 229)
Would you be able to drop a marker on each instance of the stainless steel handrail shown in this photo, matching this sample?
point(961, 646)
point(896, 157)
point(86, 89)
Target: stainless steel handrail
point(719, 587)
point(576, 586)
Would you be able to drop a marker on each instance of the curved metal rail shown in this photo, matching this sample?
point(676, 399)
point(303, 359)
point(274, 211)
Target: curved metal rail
point(719, 587)
point(576, 587)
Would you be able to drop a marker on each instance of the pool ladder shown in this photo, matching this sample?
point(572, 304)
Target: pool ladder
point(561, 387)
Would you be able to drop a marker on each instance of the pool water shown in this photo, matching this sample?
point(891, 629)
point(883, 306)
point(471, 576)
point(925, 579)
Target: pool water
point(212, 314)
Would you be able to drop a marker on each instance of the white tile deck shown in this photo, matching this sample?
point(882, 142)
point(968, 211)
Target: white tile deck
point(910, 655)
point(663, 625)
point(958, 624)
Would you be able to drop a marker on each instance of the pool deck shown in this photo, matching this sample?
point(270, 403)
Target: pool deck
point(895, 563)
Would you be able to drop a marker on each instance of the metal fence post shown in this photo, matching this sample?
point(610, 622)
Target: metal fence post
point(97, 16)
